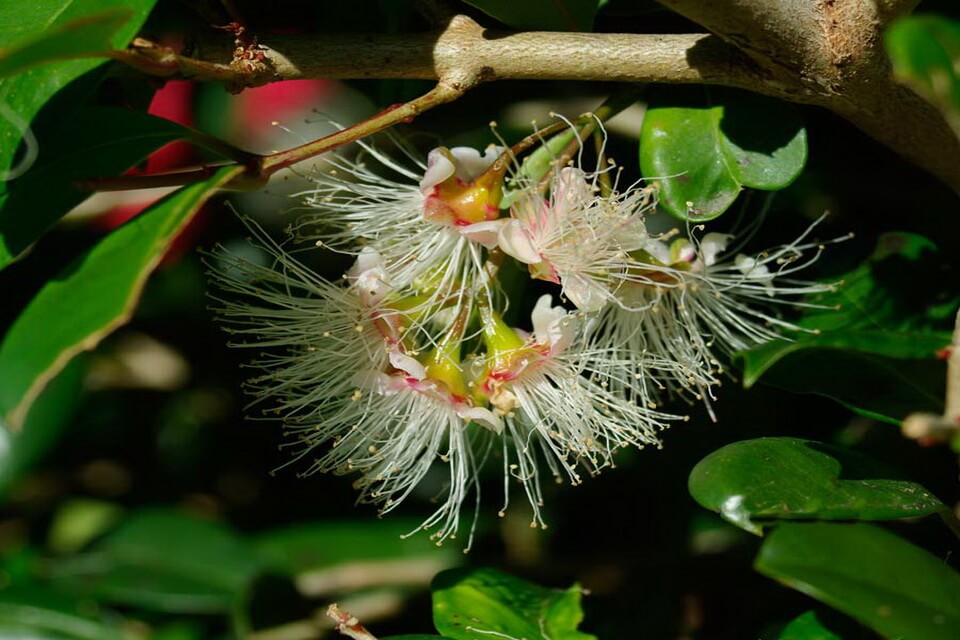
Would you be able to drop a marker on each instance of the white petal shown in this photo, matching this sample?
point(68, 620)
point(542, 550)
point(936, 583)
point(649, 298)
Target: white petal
point(485, 233)
point(571, 192)
point(481, 416)
point(440, 166)
point(659, 250)
point(753, 270)
point(551, 325)
point(366, 260)
point(470, 164)
point(407, 364)
point(515, 242)
point(711, 245)
point(586, 295)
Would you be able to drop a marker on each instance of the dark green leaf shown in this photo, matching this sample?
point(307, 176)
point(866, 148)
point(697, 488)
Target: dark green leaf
point(476, 604)
point(542, 15)
point(807, 627)
point(92, 142)
point(302, 547)
point(878, 333)
point(22, 95)
point(35, 613)
point(165, 561)
point(703, 156)
point(46, 420)
point(894, 587)
point(94, 296)
point(925, 51)
point(82, 37)
point(788, 478)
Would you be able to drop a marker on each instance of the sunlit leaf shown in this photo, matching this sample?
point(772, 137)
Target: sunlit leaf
point(787, 478)
point(702, 156)
point(94, 296)
point(925, 52)
point(475, 604)
point(807, 627)
point(888, 584)
point(165, 561)
point(542, 15)
point(22, 95)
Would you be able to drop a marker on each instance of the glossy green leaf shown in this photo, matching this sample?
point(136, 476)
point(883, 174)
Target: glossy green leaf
point(299, 548)
point(19, 451)
point(416, 636)
point(22, 95)
point(807, 627)
point(476, 604)
point(85, 36)
point(90, 143)
point(541, 15)
point(703, 156)
point(878, 333)
point(94, 296)
point(165, 561)
point(34, 613)
point(888, 584)
point(925, 52)
point(788, 478)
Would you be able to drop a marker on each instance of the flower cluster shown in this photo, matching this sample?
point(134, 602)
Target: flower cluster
point(407, 362)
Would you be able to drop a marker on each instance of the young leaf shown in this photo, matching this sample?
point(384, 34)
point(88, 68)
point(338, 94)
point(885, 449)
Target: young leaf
point(22, 95)
point(92, 142)
point(925, 52)
point(94, 296)
point(475, 604)
point(702, 156)
point(165, 561)
point(878, 334)
point(789, 478)
point(541, 15)
point(888, 584)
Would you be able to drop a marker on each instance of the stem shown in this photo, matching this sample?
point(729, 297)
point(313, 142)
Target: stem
point(348, 625)
point(950, 519)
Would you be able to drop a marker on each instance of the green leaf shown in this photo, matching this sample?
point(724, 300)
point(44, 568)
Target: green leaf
point(165, 561)
point(894, 587)
point(703, 156)
point(94, 296)
point(788, 478)
point(807, 627)
point(22, 95)
point(92, 142)
point(476, 604)
point(34, 613)
point(45, 422)
point(541, 15)
point(303, 547)
point(925, 52)
point(85, 36)
point(416, 636)
point(878, 334)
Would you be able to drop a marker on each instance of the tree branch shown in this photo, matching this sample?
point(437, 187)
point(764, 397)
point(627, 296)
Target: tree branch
point(818, 52)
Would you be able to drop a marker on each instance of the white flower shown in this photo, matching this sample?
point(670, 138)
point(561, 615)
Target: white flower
point(554, 403)
point(429, 224)
point(578, 239)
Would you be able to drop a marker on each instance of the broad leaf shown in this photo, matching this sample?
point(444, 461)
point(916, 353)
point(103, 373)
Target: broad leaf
point(22, 95)
point(925, 51)
point(788, 478)
point(541, 15)
point(475, 604)
point(416, 636)
point(703, 156)
point(807, 627)
point(92, 142)
point(165, 561)
point(45, 422)
point(878, 333)
point(82, 37)
point(94, 296)
point(894, 587)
